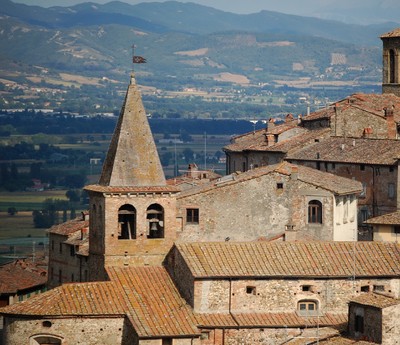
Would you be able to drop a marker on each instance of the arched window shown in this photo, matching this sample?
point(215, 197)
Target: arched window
point(392, 66)
point(46, 340)
point(307, 307)
point(315, 212)
point(127, 222)
point(155, 217)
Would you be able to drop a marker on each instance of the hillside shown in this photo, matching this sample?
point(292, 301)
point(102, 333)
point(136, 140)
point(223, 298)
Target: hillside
point(187, 46)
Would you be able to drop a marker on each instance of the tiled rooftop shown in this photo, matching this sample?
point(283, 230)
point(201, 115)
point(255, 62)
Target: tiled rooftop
point(292, 259)
point(146, 295)
point(338, 340)
point(133, 190)
point(327, 181)
point(393, 33)
point(386, 219)
point(375, 300)
point(155, 306)
point(349, 150)
point(20, 275)
point(69, 227)
point(268, 319)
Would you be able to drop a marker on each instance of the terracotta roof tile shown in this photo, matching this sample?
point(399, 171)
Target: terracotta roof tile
point(69, 227)
point(133, 190)
point(155, 306)
point(20, 275)
point(339, 340)
point(291, 259)
point(336, 184)
point(99, 298)
point(375, 300)
point(386, 219)
point(268, 320)
point(350, 150)
point(393, 33)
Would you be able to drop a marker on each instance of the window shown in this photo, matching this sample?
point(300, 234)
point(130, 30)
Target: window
point(251, 290)
point(126, 222)
point(365, 288)
point(45, 340)
point(167, 341)
point(362, 167)
point(379, 288)
point(192, 215)
point(155, 217)
point(315, 212)
point(392, 67)
point(60, 276)
point(60, 248)
point(307, 288)
point(396, 229)
point(72, 250)
point(306, 308)
point(359, 324)
point(279, 185)
point(391, 191)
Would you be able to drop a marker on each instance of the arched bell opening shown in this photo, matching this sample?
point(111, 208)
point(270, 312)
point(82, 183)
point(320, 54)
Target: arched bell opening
point(155, 218)
point(126, 222)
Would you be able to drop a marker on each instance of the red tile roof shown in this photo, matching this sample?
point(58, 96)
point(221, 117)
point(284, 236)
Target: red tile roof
point(133, 190)
point(333, 183)
point(69, 227)
point(268, 320)
point(21, 275)
point(350, 150)
point(146, 295)
point(386, 219)
point(292, 259)
point(375, 300)
point(81, 299)
point(393, 33)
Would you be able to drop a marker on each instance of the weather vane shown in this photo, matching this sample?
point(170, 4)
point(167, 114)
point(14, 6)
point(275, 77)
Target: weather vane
point(136, 58)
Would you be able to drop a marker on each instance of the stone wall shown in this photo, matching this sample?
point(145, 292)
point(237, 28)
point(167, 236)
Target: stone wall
point(256, 208)
point(85, 331)
point(105, 246)
point(281, 295)
point(375, 179)
point(64, 265)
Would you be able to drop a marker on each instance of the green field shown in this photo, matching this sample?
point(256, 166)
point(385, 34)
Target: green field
point(28, 201)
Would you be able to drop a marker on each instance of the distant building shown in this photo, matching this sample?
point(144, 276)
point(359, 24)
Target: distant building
point(19, 280)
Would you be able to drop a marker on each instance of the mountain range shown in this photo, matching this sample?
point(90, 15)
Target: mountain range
point(184, 44)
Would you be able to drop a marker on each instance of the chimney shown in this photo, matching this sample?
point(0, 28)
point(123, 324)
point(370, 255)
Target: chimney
point(295, 172)
point(289, 118)
point(84, 233)
point(391, 124)
point(270, 139)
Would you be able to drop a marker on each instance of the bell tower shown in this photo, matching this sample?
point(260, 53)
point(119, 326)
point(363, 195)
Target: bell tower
point(132, 209)
point(391, 63)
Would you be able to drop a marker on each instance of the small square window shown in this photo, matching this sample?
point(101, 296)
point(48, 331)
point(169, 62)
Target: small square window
point(192, 215)
point(362, 167)
point(306, 288)
point(279, 185)
point(365, 288)
point(251, 290)
point(396, 229)
point(379, 288)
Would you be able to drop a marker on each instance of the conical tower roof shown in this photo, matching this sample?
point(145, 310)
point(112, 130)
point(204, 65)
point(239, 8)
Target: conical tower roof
point(132, 159)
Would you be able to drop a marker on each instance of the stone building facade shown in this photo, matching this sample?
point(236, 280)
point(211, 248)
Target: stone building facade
point(391, 63)
point(301, 202)
point(68, 252)
point(375, 318)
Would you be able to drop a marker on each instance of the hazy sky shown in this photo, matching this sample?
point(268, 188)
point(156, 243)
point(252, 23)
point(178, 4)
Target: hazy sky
point(345, 10)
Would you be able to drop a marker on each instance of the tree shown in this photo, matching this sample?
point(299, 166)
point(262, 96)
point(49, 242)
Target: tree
point(12, 211)
point(74, 195)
